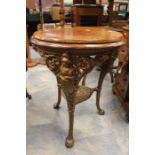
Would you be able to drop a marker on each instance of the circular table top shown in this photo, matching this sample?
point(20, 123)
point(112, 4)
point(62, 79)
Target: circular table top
point(82, 35)
point(77, 38)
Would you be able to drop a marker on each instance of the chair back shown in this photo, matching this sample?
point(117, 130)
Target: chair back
point(84, 1)
point(87, 15)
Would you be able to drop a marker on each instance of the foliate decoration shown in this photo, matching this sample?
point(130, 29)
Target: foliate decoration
point(83, 65)
point(82, 94)
point(40, 51)
point(53, 63)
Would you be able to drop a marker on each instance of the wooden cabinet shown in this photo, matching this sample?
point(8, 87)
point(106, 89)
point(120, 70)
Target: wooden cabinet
point(121, 84)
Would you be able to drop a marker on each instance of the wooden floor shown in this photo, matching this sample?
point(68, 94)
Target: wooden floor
point(94, 134)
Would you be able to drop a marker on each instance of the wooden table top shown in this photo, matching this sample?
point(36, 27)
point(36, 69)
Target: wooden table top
point(77, 38)
point(82, 35)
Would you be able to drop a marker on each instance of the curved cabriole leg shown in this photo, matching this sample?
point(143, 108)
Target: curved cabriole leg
point(106, 65)
point(67, 79)
point(71, 70)
point(70, 140)
point(53, 63)
point(57, 104)
point(99, 87)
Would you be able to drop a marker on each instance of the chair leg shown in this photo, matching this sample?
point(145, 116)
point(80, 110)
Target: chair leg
point(57, 104)
point(70, 140)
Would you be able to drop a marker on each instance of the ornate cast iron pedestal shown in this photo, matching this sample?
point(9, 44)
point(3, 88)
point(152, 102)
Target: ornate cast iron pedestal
point(71, 58)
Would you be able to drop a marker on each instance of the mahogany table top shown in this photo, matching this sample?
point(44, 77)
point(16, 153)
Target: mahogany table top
point(78, 38)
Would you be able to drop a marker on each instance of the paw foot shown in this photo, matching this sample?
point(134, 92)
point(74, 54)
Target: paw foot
point(69, 143)
point(101, 112)
point(56, 106)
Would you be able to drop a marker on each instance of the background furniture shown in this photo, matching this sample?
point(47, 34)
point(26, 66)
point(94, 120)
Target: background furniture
point(29, 61)
point(117, 17)
point(55, 13)
point(113, 15)
point(84, 1)
point(33, 19)
point(121, 84)
point(87, 15)
point(68, 54)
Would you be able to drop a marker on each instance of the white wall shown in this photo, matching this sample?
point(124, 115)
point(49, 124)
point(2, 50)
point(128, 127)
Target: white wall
point(68, 1)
